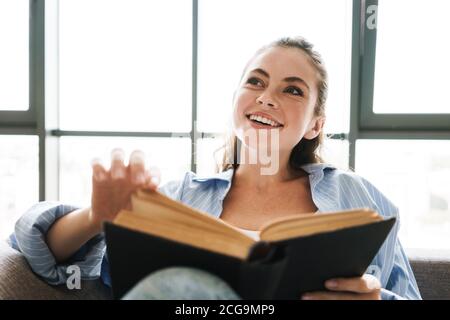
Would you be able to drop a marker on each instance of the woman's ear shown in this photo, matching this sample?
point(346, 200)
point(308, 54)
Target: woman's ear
point(315, 126)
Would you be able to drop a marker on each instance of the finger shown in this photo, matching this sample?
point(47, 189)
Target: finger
point(365, 284)
point(137, 167)
point(118, 169)
point(336, 296)
point(99, 173)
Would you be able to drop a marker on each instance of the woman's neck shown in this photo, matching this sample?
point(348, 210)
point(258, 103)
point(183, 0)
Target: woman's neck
point(254, 174)
point(249, 175)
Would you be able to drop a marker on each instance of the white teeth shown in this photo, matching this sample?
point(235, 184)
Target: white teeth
point(264, 120)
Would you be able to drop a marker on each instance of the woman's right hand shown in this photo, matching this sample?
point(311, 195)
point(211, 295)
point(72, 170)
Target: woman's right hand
point(112, 189)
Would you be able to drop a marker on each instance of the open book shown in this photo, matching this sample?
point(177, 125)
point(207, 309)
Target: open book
point(295, 254)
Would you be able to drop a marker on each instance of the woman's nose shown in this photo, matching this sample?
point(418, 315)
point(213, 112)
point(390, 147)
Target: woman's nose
point(265, 101)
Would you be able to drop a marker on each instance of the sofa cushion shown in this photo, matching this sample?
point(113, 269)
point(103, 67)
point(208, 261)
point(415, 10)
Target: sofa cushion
point(17, 281)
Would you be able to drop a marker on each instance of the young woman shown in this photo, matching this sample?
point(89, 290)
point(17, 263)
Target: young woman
point(282, 93)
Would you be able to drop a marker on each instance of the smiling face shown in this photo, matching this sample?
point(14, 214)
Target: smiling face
point(278, 88)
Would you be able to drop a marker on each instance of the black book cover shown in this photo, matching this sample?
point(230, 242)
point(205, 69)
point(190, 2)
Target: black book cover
point(276, 270)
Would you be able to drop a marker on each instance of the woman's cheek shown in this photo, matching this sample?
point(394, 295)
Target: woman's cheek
point(240, 107)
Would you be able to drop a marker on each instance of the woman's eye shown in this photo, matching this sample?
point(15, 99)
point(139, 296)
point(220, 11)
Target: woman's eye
point(295, 91)
point(254, 81)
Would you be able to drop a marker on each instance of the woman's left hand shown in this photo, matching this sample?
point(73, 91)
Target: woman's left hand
point(366, 287)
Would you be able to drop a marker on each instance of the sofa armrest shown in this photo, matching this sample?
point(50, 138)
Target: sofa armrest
point(17, 281)
point(433, 278)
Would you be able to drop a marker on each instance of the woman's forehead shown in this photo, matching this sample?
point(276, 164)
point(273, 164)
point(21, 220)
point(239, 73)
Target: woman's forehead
point(284, 62)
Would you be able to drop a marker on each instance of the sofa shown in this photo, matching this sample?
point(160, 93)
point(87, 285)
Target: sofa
point(17, 281)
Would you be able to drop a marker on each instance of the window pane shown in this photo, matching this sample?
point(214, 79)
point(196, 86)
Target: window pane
point(125, 65)
point(19, 179)
point(225, 48)
point(336, 152)
point(170, 155)
point(14, 65)
point(412, 57)
point(333, 151)
point(414, 175)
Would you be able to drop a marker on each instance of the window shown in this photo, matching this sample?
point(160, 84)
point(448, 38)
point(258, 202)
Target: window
point(14, 64)
point(160, 76)
point(19, 181)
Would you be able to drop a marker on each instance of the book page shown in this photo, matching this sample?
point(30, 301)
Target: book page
point(299, 225)
point(161, 216)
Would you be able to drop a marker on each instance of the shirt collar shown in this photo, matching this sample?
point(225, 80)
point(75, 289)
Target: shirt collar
point(317, 167)
point(224, 176)
point(316, 172)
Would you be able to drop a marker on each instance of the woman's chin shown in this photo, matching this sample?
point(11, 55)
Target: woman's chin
point(262, 148)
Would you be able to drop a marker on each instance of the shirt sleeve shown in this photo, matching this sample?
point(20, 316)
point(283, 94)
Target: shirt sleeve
point(29, 237)
point(397, 277)
point(30, 234)
point(174, 188)
point(401, 283)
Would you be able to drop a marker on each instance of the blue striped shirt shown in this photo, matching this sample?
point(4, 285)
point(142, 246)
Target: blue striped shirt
point(331, 189)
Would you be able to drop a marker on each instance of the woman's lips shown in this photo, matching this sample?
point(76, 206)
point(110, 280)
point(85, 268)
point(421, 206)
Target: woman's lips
point(257, 125)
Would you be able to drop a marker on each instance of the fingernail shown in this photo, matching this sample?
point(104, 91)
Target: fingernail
point(307, 297)
point(95, 161)
point(117, 153)
point(99, 176)
point(331, 284)
point(118, 174)
point(154, 180)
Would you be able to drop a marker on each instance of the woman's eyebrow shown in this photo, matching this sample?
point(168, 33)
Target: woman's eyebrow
point(288, 79)
point(262, 72)
point(296, 79)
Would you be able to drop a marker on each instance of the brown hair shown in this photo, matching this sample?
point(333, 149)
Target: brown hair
point(306, 151)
